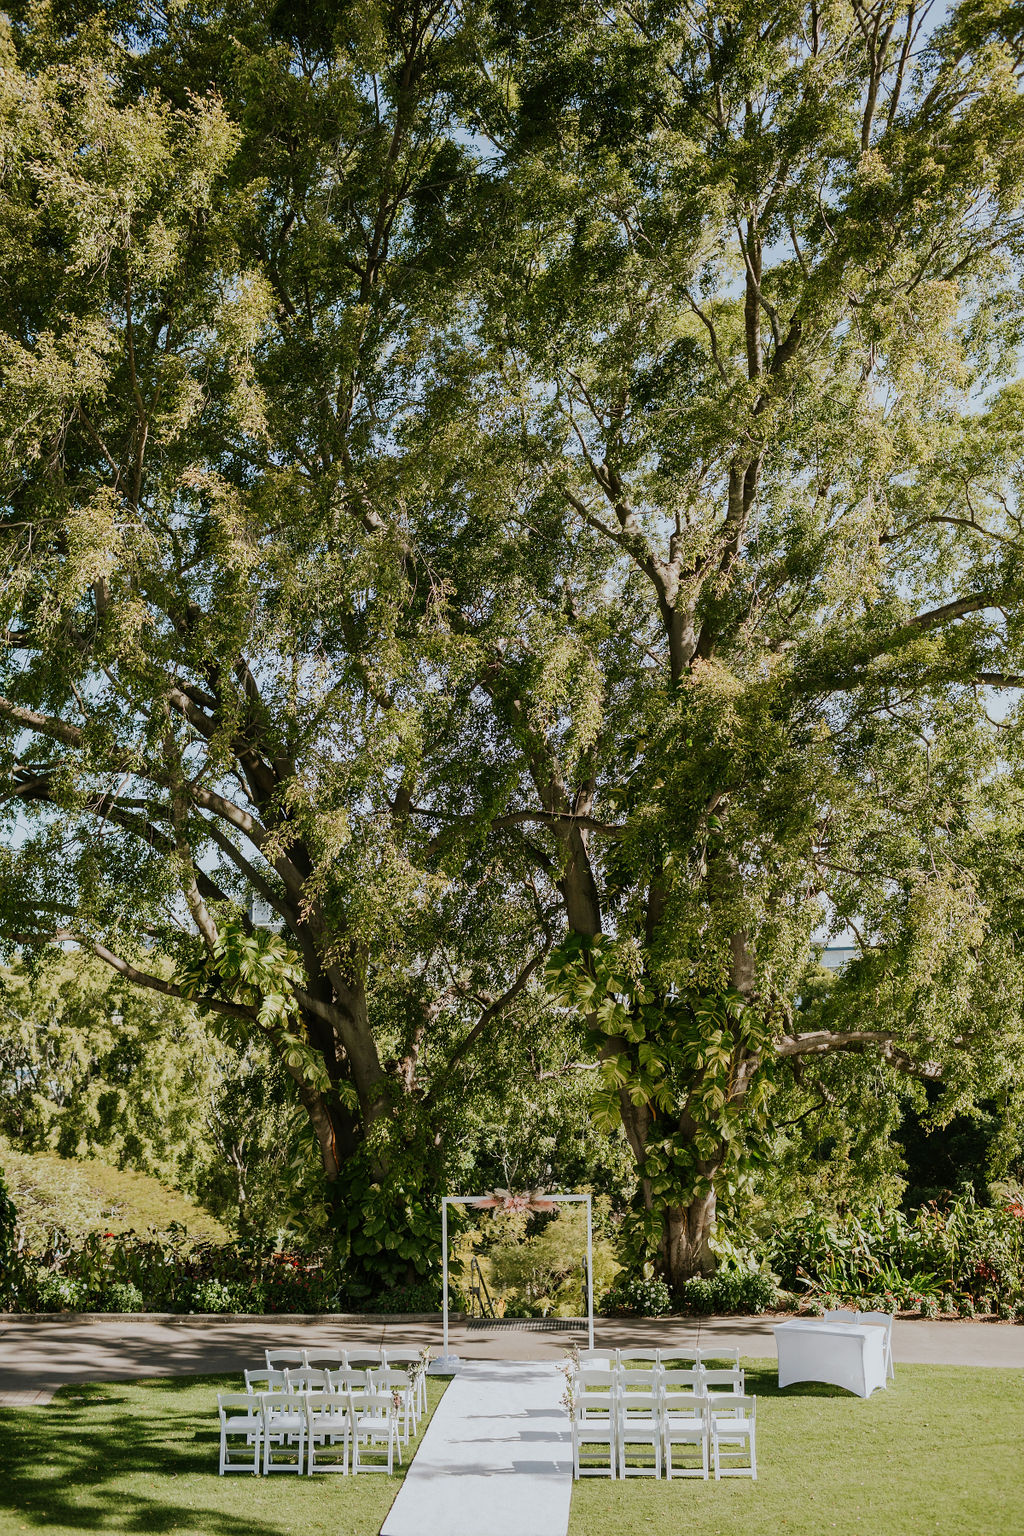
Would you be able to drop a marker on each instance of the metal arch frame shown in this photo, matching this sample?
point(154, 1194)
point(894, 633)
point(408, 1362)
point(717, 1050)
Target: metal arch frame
point(586, 1200)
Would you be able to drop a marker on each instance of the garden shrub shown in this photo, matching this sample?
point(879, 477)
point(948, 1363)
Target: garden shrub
point(122, 1296)
point(637, 1296)
point(60, 1293)
point(727, 1291)
point(424, 1296)
point(212, 1296)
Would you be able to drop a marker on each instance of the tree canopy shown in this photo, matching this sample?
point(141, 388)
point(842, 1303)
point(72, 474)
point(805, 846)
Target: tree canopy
point(530, 494)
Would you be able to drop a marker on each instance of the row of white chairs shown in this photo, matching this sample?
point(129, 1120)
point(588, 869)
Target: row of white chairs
point(610, 1358)
point(638, 1433)
point(409, 1390)
point(338, 1358)
point(309, 1431)
point(693, 1381)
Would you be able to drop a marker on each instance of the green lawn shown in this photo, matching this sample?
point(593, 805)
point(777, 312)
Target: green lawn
point(141, 1457)
point(939, 1453)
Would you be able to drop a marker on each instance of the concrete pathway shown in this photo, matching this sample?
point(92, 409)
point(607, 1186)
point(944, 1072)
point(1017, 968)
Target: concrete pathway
point(495, 1458)
point(40, 1354)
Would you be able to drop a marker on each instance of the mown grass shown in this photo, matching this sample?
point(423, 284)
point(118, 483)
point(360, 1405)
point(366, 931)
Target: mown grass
point(938, 1454)
point(141, 1457)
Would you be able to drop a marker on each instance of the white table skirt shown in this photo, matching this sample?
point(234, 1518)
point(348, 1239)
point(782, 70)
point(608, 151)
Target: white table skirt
point(846, 1355)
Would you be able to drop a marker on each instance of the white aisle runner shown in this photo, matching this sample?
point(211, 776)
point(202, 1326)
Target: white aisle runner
point(496, 1458)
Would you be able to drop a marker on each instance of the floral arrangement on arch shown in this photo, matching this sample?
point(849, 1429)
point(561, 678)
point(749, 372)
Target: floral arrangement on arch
point(534, 1201)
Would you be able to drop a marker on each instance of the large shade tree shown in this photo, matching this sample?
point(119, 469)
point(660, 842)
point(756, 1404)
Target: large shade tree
point(476, 478)
point(744, 573)
point(224, 238)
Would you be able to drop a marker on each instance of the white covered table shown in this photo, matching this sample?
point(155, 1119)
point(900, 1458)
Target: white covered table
point(846, 1355)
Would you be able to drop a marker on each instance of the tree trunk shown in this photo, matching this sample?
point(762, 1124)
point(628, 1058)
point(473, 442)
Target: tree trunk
point(686, 1245)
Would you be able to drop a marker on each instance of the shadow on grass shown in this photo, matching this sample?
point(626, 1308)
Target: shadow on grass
point(66, 1464)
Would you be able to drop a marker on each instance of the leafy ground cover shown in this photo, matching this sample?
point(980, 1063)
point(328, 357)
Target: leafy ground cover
point(141, 1456)
point(936, 1454)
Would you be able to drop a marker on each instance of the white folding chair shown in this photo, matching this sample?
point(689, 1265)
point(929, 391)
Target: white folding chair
point(732, 1435)
point(592, 1437)
point(280, 1359)
point(685, 1423)
point(595, 1393)
point(328, 1431)
point(882, 1320)
point(392, 1381)
point(412, 1361)
point(284, 1432)
point(374, 1425)
point(841, 1315)
point(638, 1431)
point(241, 1432)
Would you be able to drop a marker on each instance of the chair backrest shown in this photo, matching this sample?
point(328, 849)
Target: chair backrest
point(326, 1359)
point(712, 1357)
point(638, 1405)
point(402, 1358)
point(266, 1381)
point(323, 1404)
point(732, 1405)
point(277, 1359)
point(597, 1380)
point(606, 1358)
point(276, 1403)
point(365, 1402)
point(386, 1380)
point(347, 1381)
point(638, 1380)
point(308, 1381)
point(249, 1401)
point(878, 1319)
point(634, 1357)
point(842, 1315)
point(681, 1381)
point(731, 1380)
point(362, 1359)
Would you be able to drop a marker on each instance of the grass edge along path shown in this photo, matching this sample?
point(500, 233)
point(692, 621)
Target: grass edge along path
point(937, 1454)
point(140, 1457)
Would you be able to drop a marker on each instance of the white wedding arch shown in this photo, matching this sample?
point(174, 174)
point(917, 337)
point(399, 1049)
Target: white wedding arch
point(490, 1201)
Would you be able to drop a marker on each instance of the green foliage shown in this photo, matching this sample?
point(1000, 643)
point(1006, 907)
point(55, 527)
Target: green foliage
point(673, 1057)
point(168, 1272)
point(82, 1196)
point(101, 1073)
point(957, 1253)
point(8, 1241)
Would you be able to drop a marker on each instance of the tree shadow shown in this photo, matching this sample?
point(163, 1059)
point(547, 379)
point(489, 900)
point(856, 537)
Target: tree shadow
point(63, 1466)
